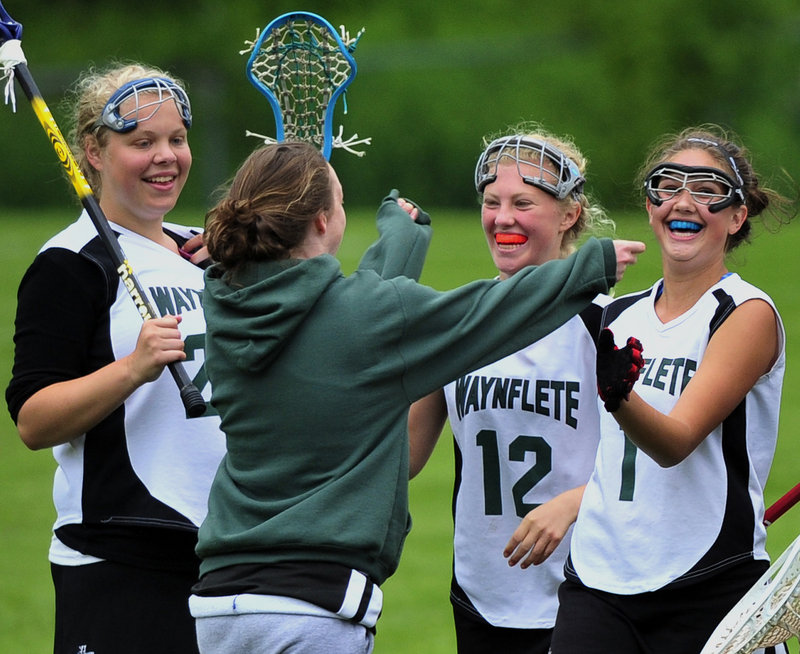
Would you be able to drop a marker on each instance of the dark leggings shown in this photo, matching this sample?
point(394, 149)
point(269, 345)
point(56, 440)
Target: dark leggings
point(665, 621)
point(107, 607)
point(476, 636)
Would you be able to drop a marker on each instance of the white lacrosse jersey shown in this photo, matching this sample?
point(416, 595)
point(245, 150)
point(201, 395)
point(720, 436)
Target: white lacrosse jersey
point(526, 429)
point(146, 464)
point(642, 526)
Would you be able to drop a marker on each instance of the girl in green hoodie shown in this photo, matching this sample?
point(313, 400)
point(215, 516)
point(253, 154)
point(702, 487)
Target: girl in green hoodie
point(313, 373)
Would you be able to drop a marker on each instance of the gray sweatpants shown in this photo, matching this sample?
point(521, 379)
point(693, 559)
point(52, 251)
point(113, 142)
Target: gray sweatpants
point(281, 633)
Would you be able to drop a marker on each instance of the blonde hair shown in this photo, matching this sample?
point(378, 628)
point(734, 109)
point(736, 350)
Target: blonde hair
point(88, 97)
point(592, 219)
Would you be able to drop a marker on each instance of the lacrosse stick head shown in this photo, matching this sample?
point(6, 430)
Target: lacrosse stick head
point(767, 615)
point(302, 66)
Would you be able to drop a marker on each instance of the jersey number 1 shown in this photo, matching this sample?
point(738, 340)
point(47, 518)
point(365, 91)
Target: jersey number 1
point(628, 471)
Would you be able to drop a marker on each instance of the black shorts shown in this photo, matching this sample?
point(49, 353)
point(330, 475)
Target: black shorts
point(109, 608)
point(665, 621)
point(476, 636)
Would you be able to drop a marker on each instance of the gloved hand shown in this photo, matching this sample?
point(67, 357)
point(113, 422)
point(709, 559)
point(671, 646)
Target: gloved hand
point(422, 217)
point(617, 369)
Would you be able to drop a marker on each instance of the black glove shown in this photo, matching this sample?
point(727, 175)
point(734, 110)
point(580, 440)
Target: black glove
point(617, 370)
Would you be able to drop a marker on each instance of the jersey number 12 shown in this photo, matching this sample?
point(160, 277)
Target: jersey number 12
point(517, 451)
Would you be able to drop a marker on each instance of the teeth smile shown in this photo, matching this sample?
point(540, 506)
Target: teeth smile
point(161, 180)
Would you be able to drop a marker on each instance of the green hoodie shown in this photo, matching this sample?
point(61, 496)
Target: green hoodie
point(313, 373)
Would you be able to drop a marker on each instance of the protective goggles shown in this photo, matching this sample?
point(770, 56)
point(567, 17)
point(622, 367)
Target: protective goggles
point(149, 94)
point(708, 186)
point(557, 174)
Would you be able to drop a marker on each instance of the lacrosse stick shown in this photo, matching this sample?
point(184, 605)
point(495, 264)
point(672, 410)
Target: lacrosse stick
point(14, 65)
point(782, 505)
point(302, 66)
point(767, 615)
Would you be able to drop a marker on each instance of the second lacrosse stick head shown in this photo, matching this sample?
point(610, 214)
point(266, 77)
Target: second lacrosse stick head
point(768, 614)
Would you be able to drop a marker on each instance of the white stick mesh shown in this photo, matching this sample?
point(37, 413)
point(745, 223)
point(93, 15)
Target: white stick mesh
point(769, 614)
point(302, 65)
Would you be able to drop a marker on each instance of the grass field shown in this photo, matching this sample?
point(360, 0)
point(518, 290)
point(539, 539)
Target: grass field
point(417, 611)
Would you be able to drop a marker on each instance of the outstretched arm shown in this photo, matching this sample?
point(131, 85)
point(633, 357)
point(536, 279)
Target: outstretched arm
point(403, 242)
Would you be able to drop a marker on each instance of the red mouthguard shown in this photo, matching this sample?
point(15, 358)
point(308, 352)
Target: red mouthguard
point(510, 239)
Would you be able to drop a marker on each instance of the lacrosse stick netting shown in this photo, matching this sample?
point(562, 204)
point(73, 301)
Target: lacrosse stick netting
point(302, 66)
point(768, 614)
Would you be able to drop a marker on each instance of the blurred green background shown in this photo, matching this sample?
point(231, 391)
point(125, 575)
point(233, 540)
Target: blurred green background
point(433, 79)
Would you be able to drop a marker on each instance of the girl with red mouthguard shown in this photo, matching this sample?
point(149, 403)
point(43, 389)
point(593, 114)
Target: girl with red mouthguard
point(526, 427)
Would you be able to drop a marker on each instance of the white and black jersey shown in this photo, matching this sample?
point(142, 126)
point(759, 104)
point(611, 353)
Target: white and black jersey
point(134, 487)
point(641, 526)
point(526, 429)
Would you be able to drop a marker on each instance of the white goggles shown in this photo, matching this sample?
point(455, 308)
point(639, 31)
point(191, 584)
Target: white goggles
point(557, 174)
point(149, 94)
point(708, 186)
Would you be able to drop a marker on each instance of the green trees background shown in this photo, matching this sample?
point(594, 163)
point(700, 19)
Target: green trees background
point(433, 79)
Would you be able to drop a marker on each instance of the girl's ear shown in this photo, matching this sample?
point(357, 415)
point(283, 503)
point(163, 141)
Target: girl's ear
point(738, 219)
point(93, 151)
point(321, 223)
point(571, 216)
